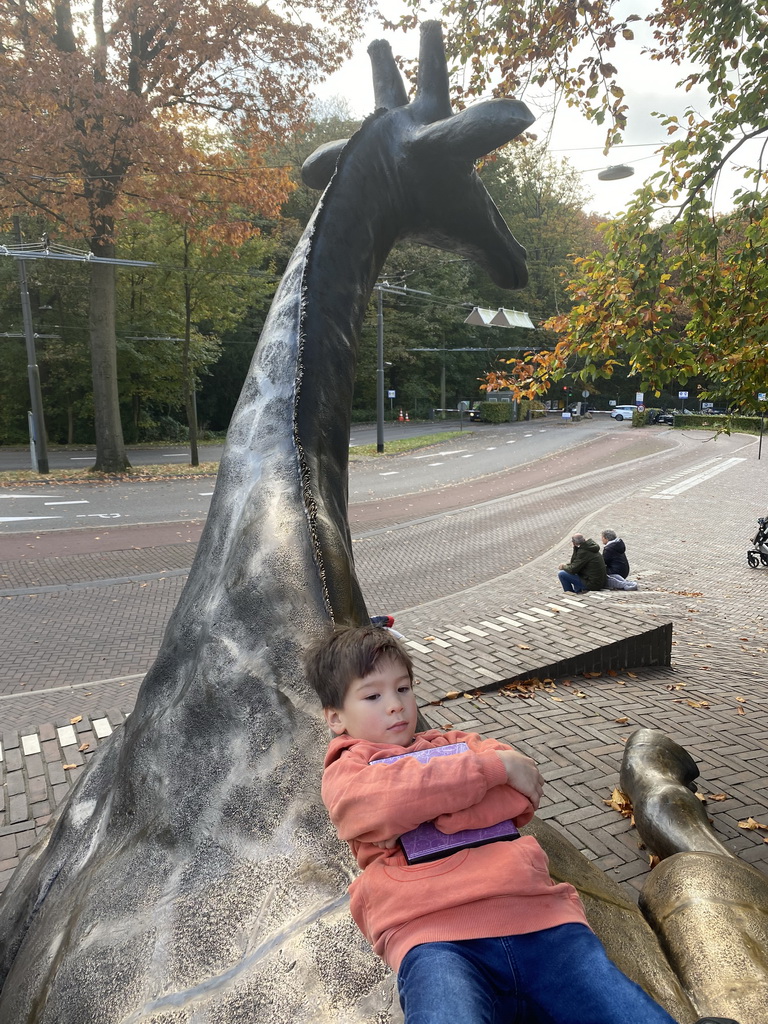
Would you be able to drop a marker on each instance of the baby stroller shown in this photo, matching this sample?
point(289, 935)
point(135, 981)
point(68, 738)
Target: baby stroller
point(759, 552)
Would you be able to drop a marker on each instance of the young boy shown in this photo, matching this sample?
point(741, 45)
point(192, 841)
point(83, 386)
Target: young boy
point(483, 935)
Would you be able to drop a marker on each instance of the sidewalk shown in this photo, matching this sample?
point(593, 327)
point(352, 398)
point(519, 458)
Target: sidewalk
point(687, 548)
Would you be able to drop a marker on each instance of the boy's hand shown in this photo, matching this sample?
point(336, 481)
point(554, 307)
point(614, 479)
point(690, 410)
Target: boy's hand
point(523, 775)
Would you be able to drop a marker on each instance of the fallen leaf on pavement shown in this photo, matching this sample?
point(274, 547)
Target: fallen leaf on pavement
point(620, 802)
point(68, 766)
point(83, 746)
point(751, 823)
point(621, 721)
point(452, 695)
point(76, 719)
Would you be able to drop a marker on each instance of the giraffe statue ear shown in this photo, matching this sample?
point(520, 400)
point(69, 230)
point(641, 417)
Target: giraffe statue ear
point(317, 170)
point(473, 132)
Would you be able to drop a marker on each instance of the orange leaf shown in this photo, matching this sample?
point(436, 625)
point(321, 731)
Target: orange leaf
point(620, 802)
point(452, 695)
point(76, 719)
point(621, 721)
point(68, 766)
point(83, 746)
point(751, 823)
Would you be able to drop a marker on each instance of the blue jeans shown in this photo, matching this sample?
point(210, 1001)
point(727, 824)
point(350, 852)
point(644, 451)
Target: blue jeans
point(571, 582)
point(557, 976)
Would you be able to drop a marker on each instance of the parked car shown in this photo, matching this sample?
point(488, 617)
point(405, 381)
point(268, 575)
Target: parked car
point(474, 413)
point(665, 416)
point(623, 412)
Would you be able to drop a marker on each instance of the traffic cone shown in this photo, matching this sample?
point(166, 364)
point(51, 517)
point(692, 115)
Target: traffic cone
point(401, 418)
point(406, 417)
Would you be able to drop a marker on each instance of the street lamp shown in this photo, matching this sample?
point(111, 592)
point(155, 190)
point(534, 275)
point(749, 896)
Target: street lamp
point(616, 172)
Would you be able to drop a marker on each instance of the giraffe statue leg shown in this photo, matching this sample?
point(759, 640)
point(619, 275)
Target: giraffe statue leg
point(709, 909)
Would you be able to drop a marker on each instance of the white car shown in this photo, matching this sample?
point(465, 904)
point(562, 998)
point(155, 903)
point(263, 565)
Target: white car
point(623, 412)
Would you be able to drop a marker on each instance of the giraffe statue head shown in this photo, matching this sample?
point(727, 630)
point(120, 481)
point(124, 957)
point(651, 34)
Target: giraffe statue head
point(416, 162)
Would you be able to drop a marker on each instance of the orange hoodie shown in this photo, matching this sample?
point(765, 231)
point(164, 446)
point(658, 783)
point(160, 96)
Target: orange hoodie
point(503, 888)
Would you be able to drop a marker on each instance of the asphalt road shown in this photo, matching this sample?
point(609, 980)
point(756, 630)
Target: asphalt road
point(484, 451)
point(77, 457)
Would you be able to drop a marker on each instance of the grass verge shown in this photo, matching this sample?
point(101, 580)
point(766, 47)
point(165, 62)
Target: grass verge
point(407, 444)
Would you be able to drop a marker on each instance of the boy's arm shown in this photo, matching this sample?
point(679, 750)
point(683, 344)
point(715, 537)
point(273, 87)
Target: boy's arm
point(373, 803)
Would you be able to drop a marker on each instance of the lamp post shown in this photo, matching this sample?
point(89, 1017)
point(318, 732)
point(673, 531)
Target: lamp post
point(39, 439)
point(379, 373)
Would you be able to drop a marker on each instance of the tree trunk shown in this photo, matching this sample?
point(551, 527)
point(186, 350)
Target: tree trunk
point(110, 446)
point(194, 456)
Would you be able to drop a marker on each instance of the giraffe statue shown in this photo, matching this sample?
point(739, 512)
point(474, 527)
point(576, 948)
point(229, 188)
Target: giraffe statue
point(192, 876)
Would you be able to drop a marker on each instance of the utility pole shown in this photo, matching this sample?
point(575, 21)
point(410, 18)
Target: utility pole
point(380, 374)
point(40, 440)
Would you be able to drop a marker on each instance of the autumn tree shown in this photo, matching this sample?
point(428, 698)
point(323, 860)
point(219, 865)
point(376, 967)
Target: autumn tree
point(671, 290)
point(106, 101)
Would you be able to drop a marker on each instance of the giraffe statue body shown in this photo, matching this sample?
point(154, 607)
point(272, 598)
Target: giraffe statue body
point(192, 875)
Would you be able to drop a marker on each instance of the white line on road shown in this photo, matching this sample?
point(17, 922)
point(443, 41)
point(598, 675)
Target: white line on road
point(81, 458)
point(527, 435)
point(435, 463)
point(24, 519)
point(391, 472)
point(176, 455)
point(98, 515)
point(27, 495)
point(491, 449)
point(204, 494)
point(511, 442)
point(81, 502)
point(470, 456)
point(697, 478)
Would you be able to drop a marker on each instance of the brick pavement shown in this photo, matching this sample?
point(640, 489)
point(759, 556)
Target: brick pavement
point(688, 551)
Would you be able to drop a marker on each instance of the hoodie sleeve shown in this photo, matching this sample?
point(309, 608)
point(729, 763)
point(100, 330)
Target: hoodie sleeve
point(373, 802)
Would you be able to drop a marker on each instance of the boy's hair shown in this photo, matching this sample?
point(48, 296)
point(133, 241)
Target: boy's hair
point(348, 653)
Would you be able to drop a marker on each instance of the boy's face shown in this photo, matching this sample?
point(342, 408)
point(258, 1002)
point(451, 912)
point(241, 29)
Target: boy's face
point(380, 707)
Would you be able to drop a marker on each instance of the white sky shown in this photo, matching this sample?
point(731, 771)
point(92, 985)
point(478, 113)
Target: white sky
point(648, 86)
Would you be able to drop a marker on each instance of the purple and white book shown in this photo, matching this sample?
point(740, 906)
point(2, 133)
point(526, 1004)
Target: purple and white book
point(426, 842)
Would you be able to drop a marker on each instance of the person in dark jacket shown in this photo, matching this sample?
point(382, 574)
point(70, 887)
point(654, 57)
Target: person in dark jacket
point(614, 554)
point(586, 569)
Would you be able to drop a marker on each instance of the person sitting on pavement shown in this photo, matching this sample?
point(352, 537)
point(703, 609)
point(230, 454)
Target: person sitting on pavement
point(614, 554)
point(586, 569)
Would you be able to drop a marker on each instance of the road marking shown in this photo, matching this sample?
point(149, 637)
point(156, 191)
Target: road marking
point(24, 519)
point(698, 478)
point(176, 455)
point(491, 449)
point(391, 472)
point(204, 494)
point(98, 515)
point(454, 451)
point(511, 442)
point(81, 458)
point(27, 495)
point(81, 502)
point(435, 463)
point(470, 456)
point(527, 435)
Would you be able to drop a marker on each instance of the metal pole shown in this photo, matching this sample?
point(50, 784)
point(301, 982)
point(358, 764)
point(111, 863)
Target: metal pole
point(760, 444)
point(33, 373)
point(380, 375)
